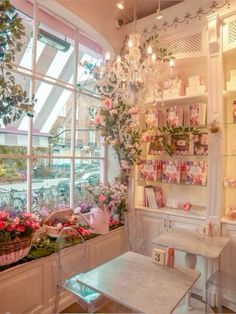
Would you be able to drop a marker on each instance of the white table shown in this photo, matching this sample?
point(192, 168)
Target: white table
point(193, 244)
point(134, 281)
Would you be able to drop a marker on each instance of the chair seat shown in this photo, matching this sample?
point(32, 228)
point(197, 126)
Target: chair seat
point(86, 294)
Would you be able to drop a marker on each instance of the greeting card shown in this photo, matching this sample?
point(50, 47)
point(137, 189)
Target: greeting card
point(194, 172)
point(198, 114)
point(155, 146)
point(174, 116)
point(200, 146)
point(148, 170)
point(170, 171)
point(180, 143)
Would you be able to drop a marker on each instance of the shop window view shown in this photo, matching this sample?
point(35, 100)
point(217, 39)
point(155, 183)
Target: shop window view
point(52, 151)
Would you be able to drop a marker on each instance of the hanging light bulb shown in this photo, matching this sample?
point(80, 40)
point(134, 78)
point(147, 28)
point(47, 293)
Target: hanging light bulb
point(149, 50)
point(159, 15)
point(120, 5)
point(107, 56)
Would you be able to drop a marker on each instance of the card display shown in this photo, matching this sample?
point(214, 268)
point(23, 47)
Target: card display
point(170, 171)
point(200, 146)
point(155, 146)
point(197, 114)
point(180, 143)
point(194, 173)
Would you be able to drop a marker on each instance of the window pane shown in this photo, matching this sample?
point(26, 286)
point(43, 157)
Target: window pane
point(50, 183)
point(57, 57)
point(13, 177)
point(86, 172)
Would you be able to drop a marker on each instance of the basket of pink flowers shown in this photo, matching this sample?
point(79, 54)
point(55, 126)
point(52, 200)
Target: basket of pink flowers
point(16, 233)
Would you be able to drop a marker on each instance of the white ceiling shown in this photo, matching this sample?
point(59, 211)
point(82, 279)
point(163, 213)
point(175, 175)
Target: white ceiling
point(102, 15)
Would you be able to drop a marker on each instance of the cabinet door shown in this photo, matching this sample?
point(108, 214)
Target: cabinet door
point(228, 256)
point(149, 226)
point(228, 259)
point(191, 224)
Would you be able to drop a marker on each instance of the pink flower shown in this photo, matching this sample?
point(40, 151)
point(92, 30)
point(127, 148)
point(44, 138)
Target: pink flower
point(107, 103)
point(4, 215)
point(98, 119)
point(28, 223)
point(146, 137)
point(11, 227)
point(2, 224)
point(20, 228)
point(133, 110)
point(102, 198)
point(16, 220)
point(187, 206)
point(26, 215)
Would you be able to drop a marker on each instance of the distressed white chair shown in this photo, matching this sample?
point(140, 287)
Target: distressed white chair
point(69, 267)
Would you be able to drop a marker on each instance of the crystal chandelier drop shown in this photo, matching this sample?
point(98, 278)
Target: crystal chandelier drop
point(138, 75)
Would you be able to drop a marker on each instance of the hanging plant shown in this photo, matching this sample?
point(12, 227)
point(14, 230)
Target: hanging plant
point(13, 99)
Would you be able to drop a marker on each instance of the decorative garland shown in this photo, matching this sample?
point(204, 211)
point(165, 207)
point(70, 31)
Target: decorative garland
point(215, 5)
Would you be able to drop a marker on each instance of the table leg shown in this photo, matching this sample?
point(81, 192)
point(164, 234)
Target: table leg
point(190, 262)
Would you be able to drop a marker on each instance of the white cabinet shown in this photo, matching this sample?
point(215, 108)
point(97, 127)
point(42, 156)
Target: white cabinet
point(149, 225)
point(229, 254)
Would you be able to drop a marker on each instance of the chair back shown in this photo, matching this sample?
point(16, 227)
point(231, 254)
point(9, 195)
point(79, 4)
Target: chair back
point(70, 262)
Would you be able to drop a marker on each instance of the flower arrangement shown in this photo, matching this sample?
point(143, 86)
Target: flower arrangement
point(117, 122)
point(15, 225)
point(110, 196)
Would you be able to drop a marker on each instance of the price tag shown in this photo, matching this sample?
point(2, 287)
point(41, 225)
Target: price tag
point(158, 256)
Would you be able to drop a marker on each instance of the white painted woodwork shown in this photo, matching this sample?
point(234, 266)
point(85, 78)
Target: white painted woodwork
point(228, 261)
point(30, 287)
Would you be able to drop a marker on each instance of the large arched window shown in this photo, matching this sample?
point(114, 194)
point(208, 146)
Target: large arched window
point(45, 160)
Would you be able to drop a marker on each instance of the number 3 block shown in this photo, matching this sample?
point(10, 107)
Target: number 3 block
point(158, 256)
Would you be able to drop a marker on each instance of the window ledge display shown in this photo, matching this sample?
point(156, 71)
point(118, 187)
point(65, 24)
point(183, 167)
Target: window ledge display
point(46, 247)
point(38, 296)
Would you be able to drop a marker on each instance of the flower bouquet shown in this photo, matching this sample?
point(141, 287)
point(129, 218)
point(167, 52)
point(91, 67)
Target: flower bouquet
point(16, 233)
point(112, 197)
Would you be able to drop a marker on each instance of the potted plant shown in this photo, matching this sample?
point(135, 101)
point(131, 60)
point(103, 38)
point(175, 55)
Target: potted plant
point(13, 99)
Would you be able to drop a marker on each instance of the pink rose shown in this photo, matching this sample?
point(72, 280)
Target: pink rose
point(4, 215)
point(2, 224)
point(133, 110)
point(146, 137)
point(16, 220)
point(26, 215)
point(98, 119)
point(107, 103)
point(28, 223)
point(11, 227)
point(101, 198)
point(20, 228)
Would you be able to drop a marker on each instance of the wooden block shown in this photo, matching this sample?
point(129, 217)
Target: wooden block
point(158, 256)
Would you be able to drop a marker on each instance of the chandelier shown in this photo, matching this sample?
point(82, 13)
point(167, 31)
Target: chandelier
point(140, 73)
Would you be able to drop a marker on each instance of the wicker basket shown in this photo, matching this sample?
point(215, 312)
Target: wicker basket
point(13, 251)
point(53, 231)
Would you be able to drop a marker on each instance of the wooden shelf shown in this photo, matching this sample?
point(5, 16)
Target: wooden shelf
point(144, 183)
point(229, 93)
point(181, 99)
